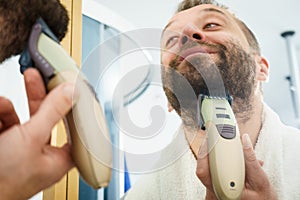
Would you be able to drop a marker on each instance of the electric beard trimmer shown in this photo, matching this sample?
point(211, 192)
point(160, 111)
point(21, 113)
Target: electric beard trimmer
point(86, 125)
point(226, 158)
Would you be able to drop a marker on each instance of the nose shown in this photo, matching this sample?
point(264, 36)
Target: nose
point(191, 32)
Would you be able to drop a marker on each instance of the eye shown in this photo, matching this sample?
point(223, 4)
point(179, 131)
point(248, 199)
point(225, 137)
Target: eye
point(211, 25)
point(171, 41)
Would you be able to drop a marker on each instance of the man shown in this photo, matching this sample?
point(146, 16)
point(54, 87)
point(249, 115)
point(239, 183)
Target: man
point(28, 163)
point(204, 41)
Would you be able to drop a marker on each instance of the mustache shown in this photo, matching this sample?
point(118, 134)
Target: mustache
point(191, 44)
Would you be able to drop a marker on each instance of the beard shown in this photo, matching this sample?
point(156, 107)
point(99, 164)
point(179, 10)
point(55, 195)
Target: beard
point(233, 72)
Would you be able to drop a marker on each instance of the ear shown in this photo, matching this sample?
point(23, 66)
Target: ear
point(262, 73)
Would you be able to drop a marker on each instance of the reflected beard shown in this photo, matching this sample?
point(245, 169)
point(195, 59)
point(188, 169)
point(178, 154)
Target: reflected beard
point(233, 72)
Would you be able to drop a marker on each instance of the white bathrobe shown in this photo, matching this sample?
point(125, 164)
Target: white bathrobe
point(278, 146)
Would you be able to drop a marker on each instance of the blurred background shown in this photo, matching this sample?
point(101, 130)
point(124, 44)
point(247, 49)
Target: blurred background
point(120, 30)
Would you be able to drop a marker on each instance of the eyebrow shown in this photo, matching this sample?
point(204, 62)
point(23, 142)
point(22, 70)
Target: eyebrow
point(213, 10)
point(205, 10)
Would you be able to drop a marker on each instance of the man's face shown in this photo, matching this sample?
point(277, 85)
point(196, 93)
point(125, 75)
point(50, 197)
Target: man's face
point(204, 47)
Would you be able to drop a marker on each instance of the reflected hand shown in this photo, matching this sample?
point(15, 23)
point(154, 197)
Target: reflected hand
point(257, 185)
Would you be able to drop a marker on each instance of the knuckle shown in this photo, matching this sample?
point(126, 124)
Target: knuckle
point(250, 155)
point(6, 105)
point(265, 184)
point(202, 174)
point(66, 100)
point(62, 103)
point(199, 173)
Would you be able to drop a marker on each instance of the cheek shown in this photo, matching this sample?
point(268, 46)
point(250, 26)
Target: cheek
point(228, 37)
point(242, 41)
point(167, 57)
point(218, 37)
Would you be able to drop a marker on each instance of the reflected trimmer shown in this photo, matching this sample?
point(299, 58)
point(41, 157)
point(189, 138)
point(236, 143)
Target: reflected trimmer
point(226, 158)
point(90, 141)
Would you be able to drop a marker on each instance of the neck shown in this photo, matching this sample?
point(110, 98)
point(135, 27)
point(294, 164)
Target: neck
point(251, 126)
point(254, 123)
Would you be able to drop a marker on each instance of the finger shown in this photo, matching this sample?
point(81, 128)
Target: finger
point(261, 162)
point(255, 175)
point(35, 89)
point(8, 115)
point(58, 161)
point(55, 106)
point(203, 172)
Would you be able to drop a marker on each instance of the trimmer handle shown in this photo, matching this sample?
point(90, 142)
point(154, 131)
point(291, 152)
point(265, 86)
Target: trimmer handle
point(90, 141)
point(226, 158)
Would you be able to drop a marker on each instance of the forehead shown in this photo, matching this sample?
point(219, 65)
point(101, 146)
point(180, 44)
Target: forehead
point(198, 11)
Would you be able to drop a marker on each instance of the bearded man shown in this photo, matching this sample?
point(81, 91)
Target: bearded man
point(206, 49)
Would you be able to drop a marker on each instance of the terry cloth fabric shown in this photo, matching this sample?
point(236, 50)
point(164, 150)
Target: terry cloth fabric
point(278, 146)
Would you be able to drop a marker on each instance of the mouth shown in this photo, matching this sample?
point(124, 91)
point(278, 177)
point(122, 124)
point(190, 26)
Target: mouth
point(193, 51)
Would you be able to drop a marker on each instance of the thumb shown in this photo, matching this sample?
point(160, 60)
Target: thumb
point(203, 171)
point(255, 176)
point(55, 106)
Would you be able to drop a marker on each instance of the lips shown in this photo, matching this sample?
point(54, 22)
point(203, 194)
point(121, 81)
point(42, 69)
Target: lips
point(192, 51)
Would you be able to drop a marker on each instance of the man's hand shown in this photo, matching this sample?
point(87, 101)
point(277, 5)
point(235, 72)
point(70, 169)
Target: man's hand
point(257, 185)
point(35, 94)
point(28, 164)
point(8, 115)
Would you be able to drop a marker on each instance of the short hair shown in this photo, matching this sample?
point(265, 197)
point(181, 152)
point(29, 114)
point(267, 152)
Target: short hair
point(18, 16)
point(252, 41)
